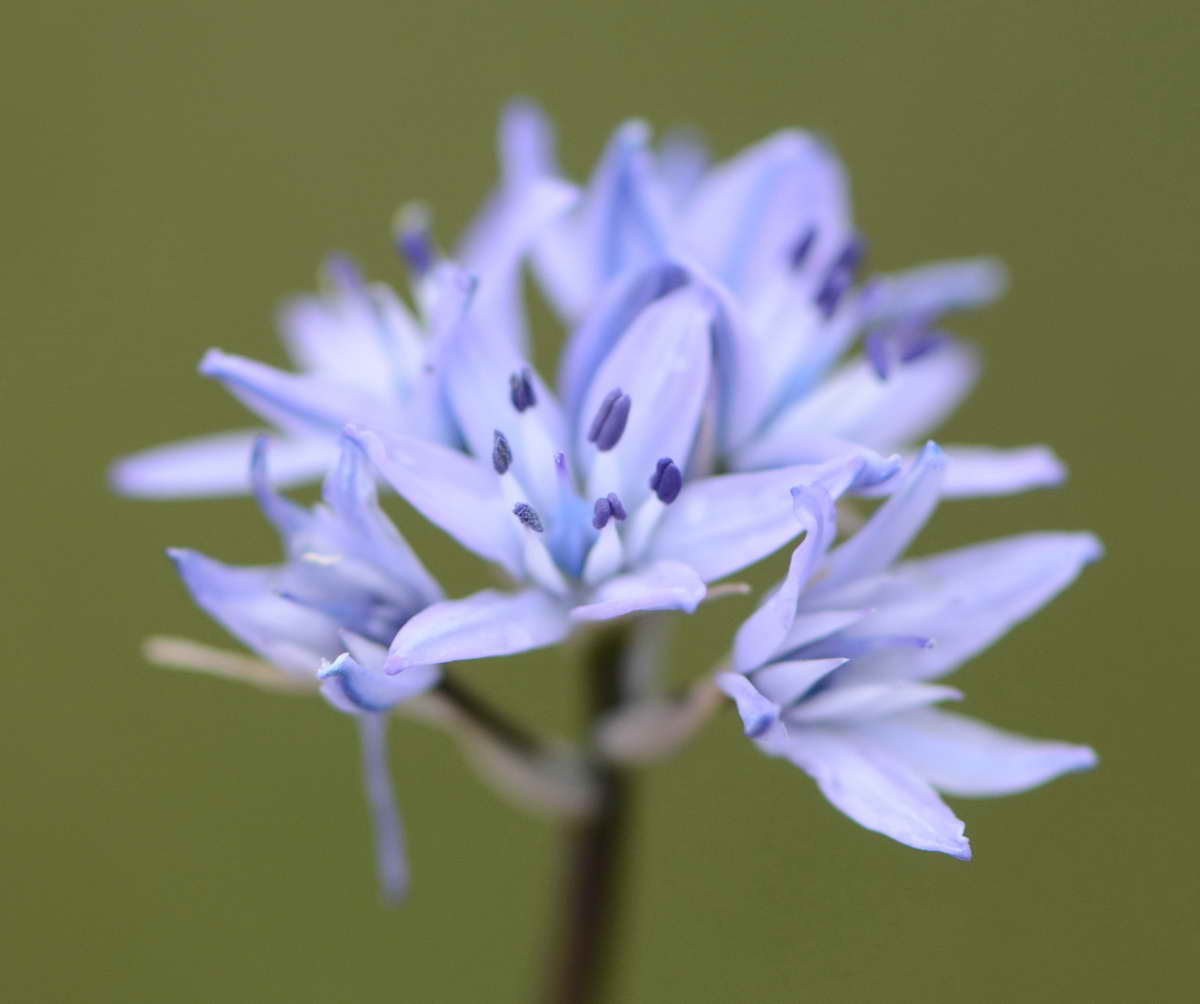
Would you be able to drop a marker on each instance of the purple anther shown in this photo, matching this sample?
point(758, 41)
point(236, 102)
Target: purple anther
point(840, 276)
point(601, 513)
point(666, 481)
point(528, 516)
point(618, 509)
point(501, 453)
point(412, 238)
point(609, 423)
point(799, 252)
point(905, 342)
point(520, 390)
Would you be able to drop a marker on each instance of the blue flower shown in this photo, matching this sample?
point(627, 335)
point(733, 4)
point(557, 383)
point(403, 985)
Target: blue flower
point(327, 614)
point(593, 508)
point(362, 356)
point(835, 670)
point(770, 233)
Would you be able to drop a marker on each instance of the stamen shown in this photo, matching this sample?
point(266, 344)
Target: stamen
point(606, 508)
point(840, 276)
point(501, 452)
point(411, 233)
point(905, 343)
point(799, 253)
point(528, 517)
point(520, 390)
point(609, 423)
point(666, 481)
point(601, 513)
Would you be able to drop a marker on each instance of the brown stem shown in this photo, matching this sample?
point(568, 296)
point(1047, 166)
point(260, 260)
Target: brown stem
point(579, 965)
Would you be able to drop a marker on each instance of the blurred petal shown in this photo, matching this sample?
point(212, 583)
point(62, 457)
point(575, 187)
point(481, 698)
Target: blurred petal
point(484, 624)
point(758, 713)
point(977, 470)
point(663, 585)
point(937, 288)
point(449, 489)
point(962, 756)
point(301, 403)
point(391, 859)
point(854, 404)
point(217, 465)
point(788, 681)
point(877, 793)
point(246, 602)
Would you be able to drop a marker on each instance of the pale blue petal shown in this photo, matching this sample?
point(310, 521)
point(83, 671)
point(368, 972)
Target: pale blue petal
point(451, 490)
point(300, 403)
point(962, 756)
point(287, 517)
point(485, 624)
point(975, 470)
point(758, 713)
point(964, 600)
point(663, 585)
point(876, 792)
point(663, 365)
point(351, 687)
point(846, 705)
point(788, 681)
point(855, 404)
point(219, 465)
point(616, 309)
point(247, 603)
point(887, 534)
point(937, 288)
point(351, 495)
point(683, 158)
point(721, 524)
point(749, 213)
point(763, 633)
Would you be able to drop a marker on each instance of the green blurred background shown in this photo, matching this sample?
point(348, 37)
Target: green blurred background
point(173, 168)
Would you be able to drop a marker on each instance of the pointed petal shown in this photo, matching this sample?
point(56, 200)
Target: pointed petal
point(854, 404)
point(219, 465)
point(762, 634)
point(721, 524)
point(962, 756)
point(300, 403)
point(936, 288)
point(887, 534)
point(748, 213)
point(964, 600)
point(788, 681)
point(245, 601)
point(287, 517)
point(662, 364)
point(663, 585)
point(451, 491)
point(350, 493)
point(485, 624)
point(877, 793)
point(849, 704)
point(618, 307)
point(975, 470)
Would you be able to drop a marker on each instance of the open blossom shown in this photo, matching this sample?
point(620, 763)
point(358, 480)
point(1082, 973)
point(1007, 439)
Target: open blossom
point(362, 355)
point(770, 232)
point(597, 515)
point(835, 670)
point(327, 614)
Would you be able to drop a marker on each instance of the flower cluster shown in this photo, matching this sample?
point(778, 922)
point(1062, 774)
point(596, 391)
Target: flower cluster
point(730, 376)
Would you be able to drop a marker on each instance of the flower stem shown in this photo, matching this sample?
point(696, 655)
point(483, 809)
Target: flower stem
point(579, 964)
